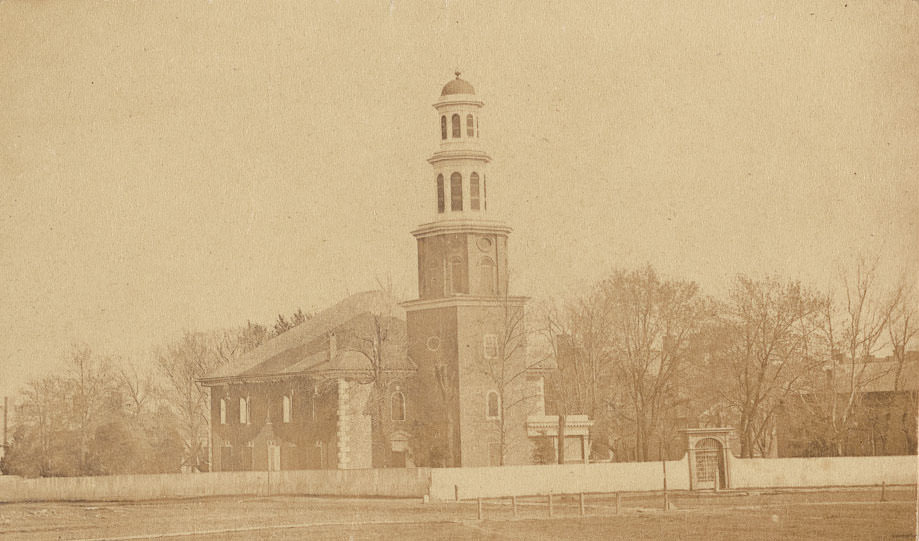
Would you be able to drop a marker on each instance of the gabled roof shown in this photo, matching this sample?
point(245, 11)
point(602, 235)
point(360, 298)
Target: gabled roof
point(305, 348)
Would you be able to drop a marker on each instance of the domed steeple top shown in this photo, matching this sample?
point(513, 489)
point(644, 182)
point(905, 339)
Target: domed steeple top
point(457, 86)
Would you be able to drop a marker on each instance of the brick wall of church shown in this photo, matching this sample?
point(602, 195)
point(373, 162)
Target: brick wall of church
point(432, 342)
point(480, 432)
point(306, 441)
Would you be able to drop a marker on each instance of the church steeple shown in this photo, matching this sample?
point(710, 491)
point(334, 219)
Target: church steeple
point(459, 162)
point(461, 252)
point(456, 325)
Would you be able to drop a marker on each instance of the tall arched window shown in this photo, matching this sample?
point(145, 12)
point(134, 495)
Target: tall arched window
point(223, 411)
point(458, 275)
point(470, 126)
point(474, 191)
point(487, 275)
point(398, 406)
point(440, 194)
point(285, 409)
point(243, 411)
point(457, 132)
point(443, 127)
point(456, 191)
point(493, 406)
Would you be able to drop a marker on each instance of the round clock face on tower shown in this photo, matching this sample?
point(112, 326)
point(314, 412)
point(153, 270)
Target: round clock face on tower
point(484, 244)
point(433, 343)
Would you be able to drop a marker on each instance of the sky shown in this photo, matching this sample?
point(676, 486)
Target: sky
point(194, 165)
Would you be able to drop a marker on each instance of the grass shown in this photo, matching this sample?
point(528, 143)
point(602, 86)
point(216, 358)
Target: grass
point(834, 514)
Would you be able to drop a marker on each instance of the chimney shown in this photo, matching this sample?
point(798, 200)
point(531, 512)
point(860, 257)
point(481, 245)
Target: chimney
point(333, 346)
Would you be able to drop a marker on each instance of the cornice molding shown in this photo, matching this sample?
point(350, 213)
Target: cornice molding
point(462, 300)
point(457, 99)
point(442, 227)
point(459, 154)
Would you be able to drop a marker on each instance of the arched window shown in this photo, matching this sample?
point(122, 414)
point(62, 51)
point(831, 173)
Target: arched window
point(398, 406)
point(243, 411)
point(223, 411)
point(474, 191)
point(285, 409)
point(443, 127)
point(484, 192)
point(456, 191)
point(470, 126)
point(458, 275)
point(493, 406)
point(440, 194)
point(487, 275)
point(457, 132)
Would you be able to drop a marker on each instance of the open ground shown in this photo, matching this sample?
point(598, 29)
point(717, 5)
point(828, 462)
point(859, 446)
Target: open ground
point(837, 514)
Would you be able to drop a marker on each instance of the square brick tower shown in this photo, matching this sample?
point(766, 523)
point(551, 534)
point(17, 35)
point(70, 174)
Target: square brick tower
point(465, 333)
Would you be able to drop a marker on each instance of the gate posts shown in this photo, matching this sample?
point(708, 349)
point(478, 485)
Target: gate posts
point(707, 452)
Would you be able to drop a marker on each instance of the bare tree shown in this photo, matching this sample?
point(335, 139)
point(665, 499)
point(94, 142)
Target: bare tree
point(765, 352)
point(90, 378)
point(853, 333)
point(41, 424)
point(579, 346)
point(380, 341)
point(903, 329)
point(506, 367)
point(138, 386)
point(182, 364)
point(653, 325)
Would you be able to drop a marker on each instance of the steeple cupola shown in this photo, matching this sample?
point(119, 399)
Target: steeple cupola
point(459, 163)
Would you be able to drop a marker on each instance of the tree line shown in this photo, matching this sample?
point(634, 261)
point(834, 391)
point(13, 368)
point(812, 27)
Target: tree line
point(641, 354)
point(103, 415)
point(644, 356)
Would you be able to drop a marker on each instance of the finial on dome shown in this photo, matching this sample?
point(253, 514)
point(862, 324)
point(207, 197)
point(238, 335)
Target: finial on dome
point(457, 73)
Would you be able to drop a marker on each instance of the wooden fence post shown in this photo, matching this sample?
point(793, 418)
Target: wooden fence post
point(514, 505)
point(581, 504)
point(618, 501)
point(479, 507)
point(883, 491)
point(666, 496)
point(550, 504)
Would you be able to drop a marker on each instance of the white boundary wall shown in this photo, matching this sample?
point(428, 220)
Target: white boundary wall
point(557, 479)
point(442, 483)
point(380, 482)
point(822, 472)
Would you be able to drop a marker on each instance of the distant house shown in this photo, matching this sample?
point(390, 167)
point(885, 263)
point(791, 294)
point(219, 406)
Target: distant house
point(884, 419)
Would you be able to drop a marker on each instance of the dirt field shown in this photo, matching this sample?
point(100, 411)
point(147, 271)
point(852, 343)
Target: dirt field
point(842, 514)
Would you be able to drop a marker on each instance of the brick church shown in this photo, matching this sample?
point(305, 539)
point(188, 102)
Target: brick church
point(442, 380)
